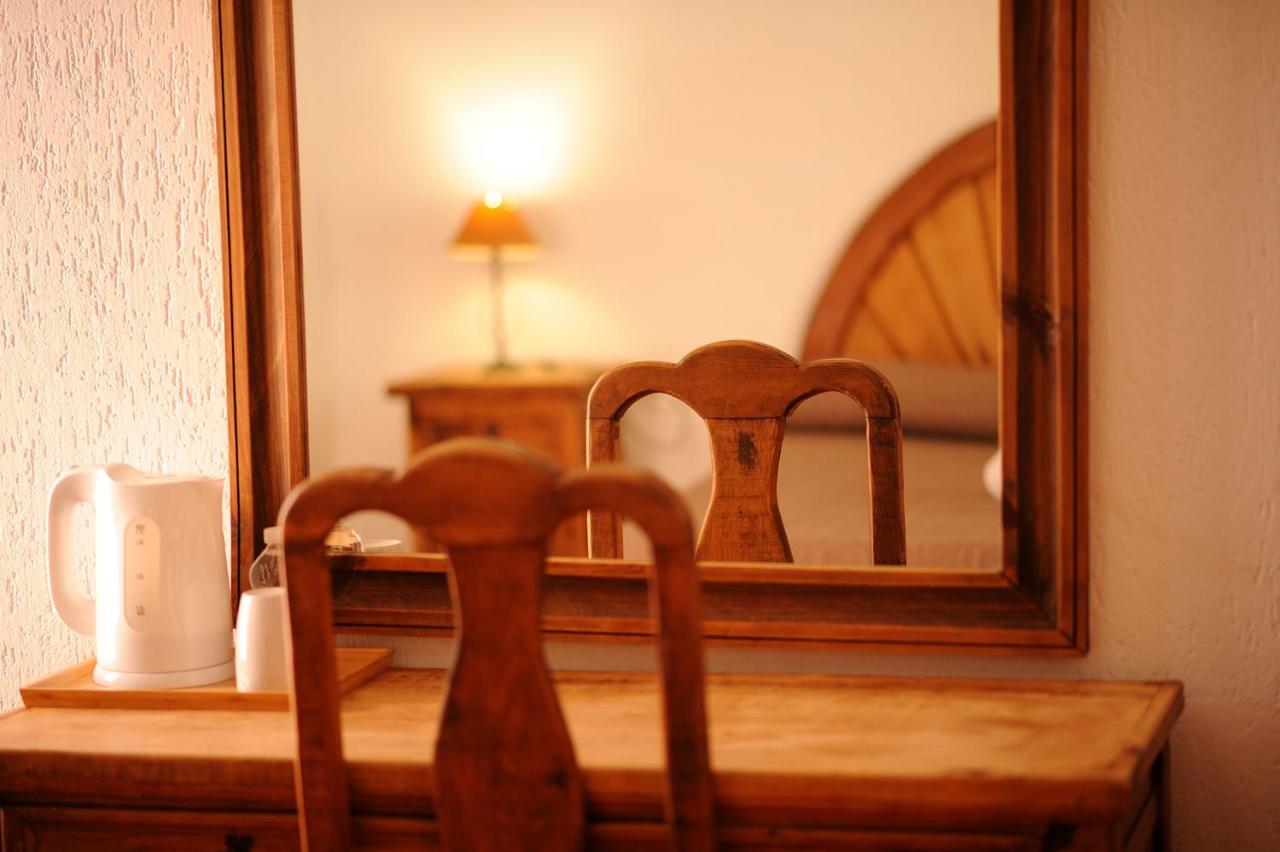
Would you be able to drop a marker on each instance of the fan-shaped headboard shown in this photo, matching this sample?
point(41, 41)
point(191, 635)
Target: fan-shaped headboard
point(918, 281)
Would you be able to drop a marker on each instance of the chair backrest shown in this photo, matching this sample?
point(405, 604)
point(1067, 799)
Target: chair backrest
point(506, 776)
point(745, 391)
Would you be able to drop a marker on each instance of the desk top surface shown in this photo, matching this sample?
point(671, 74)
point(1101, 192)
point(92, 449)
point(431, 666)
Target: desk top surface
point(818, 746)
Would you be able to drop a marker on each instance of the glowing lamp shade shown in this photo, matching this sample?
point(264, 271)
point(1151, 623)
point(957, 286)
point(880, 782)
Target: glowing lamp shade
point(495, 225)
point(494, 222)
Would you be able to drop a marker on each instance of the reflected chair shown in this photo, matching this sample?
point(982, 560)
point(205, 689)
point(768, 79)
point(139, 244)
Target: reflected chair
point(505, 772)
point(744, 391)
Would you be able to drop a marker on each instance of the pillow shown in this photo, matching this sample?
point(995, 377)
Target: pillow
point(935, 399)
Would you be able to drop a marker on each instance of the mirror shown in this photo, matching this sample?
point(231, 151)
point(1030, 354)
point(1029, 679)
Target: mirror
point(393, 234)
point(673, 173)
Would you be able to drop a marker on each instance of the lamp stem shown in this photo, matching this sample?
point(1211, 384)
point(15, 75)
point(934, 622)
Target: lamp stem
point(497, 309)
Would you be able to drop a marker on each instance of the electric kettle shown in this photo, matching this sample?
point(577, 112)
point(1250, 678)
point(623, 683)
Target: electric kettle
point(162, 613)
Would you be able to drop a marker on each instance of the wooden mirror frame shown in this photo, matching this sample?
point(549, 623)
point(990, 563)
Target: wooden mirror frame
point(1037, 603)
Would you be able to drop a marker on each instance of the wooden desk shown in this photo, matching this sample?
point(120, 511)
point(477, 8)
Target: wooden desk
point(833, 762)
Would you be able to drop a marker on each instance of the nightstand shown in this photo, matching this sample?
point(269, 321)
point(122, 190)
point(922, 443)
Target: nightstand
point(541, 406)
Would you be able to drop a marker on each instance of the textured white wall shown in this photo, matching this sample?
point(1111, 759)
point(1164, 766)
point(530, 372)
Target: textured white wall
point(111, 344)
point(1185, 373)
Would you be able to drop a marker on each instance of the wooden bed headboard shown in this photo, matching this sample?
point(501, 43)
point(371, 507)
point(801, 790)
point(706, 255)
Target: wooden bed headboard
point(918, 280)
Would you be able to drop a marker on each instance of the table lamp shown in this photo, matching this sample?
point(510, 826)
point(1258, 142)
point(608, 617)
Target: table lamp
point(495, 224)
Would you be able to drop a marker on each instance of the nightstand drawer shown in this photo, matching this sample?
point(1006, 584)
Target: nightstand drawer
point(542, 407)
point(549, 431)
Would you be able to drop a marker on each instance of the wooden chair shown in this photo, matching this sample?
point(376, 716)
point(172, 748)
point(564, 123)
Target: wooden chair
point(745, 391)
point(505, 772)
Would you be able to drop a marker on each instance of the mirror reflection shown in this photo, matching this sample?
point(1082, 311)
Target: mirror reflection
point(500, 200)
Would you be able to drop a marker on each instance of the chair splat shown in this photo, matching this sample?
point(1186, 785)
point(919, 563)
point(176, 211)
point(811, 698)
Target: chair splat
point(505, 772)
point(744, 391)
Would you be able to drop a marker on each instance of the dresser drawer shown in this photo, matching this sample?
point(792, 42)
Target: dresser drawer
point(27, 829)
point(73, 829)
point(635, 837)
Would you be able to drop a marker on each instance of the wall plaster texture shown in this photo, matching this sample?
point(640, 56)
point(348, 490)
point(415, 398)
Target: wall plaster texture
point(111, 342)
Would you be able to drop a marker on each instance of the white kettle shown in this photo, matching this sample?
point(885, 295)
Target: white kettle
point(162, 617)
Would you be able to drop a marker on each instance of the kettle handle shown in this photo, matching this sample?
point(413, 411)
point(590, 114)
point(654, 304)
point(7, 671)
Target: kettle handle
point(72, 488)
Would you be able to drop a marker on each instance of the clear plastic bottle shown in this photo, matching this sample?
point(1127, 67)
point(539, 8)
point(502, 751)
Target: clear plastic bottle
point(342, 540)
point(265, 570)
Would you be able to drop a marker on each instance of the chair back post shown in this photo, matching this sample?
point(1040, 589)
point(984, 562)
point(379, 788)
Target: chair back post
point(675, 605)
point(745, 391)
point(320, 775)
point(505, 770)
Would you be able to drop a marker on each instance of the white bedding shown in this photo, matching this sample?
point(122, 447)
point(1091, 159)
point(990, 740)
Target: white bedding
point(822, 491)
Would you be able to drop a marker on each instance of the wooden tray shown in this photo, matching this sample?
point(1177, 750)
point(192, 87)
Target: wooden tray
point(74, 687)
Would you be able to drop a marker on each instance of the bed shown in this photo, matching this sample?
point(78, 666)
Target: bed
point(915, 293)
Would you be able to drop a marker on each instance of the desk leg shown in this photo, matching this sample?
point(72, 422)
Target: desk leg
point(1161, 779)
point(1082, 838)
point(1151, 832)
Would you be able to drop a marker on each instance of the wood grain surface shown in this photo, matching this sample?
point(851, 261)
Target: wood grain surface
point(1042, 174)
point(745, 391)
point(788, 750)
point(918, 280)
point(74, 687)
point(505, 771)
point(262, 267)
